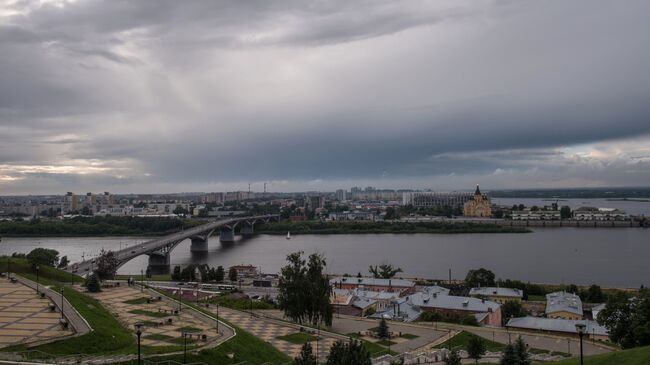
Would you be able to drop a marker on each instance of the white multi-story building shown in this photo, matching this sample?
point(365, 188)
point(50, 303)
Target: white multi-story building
point(430, 199)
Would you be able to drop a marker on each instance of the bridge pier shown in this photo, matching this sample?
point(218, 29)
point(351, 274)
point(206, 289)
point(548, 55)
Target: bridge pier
point(247, 230)
point(159, 260)
point(199, 244)
point(227, 234)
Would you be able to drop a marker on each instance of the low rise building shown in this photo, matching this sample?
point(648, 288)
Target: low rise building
point(536, 215)
point(563, 305)
point(559, 326)
point(486, 312)
point(599, 214)
point(401, 286)
point(245, 271)
point(499, 295)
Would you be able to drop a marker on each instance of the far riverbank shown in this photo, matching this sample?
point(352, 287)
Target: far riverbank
point(384, 227)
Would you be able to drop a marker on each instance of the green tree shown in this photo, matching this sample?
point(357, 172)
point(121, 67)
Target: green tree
point(384, 271)
point(232, 274)
point(521, 350)
point(382, 331)
point(511, 309)
point(106, 265)
point(306, 356)
point(304, 291)
point(180, 210)
point(627, 319)
point(176, 273)
point(43, 257)
point(92, 284)
point(509, 356)
point(63, 263)
point(565, 212)
point(219, 274)
point(572, 288)
point(480, 277)
point(453, 358)
point(475, 348)
point(594, 294)
point(391, 213)
point(348, 353)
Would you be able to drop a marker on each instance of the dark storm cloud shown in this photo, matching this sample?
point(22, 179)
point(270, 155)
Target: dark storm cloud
point(192, 94)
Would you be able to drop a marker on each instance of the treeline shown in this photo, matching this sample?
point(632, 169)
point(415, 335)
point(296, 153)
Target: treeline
point(95, 226)
point(317, 227)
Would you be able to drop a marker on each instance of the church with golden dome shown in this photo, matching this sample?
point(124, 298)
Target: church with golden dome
point(478, 206)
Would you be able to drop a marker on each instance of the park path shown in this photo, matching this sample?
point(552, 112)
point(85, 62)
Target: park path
point(269, 329)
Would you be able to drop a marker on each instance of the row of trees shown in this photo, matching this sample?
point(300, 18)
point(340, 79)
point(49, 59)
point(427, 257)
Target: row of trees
point(108, 225)
point(212, 274)
point(341, 353)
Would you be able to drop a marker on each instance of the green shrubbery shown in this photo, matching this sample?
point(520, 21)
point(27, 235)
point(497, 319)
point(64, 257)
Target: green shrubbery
point(92, 226)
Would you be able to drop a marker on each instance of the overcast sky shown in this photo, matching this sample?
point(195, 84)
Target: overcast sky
point(164, 96)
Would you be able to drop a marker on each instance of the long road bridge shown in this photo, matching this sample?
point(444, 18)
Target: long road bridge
point(159, 249)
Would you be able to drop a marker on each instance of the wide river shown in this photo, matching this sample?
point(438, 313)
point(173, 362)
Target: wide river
point(606, 256)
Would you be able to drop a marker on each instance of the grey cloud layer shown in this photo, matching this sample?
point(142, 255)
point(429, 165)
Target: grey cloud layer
point(196, 94)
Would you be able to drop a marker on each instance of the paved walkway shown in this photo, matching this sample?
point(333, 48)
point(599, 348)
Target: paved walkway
point(269, 330)
point(130, 305)
point(26, 317)
point(501, 335)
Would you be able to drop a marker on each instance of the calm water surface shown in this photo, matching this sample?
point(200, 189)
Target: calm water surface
point(611, 257)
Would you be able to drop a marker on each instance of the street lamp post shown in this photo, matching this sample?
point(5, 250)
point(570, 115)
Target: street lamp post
point(217, 319)
point(62, 302)
point(37, 267)
point(581, 328)
point(141, 280)
point(138, 332)
point(180, 300)
point(184, 348)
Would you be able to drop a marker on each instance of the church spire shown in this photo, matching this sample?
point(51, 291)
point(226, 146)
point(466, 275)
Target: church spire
point(477, 192)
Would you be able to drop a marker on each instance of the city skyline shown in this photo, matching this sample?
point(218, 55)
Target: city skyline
point(158, 97)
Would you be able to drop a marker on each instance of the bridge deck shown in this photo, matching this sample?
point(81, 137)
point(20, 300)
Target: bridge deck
point(157, 244)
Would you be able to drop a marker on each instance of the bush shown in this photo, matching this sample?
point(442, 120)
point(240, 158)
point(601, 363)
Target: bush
point(92, 284)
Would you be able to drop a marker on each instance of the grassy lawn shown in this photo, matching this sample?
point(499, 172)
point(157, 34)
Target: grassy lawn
point(149, 313)
point(372, 347)
point(142, 300)
point(386, 343)
point(298, 338)
point(409, 336)
point(190, 329)
point(538, 298)
point(229, 301)
point(637, 356)
point(158, 337)
point(462, 339)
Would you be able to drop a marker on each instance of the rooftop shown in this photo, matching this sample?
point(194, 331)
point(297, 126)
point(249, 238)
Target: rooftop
point(452, 302)
point(372, 282)
point(500, 292)
point(556, 325)
point(563, 302)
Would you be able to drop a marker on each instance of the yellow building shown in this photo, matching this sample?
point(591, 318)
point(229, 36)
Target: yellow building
point(478, 206)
